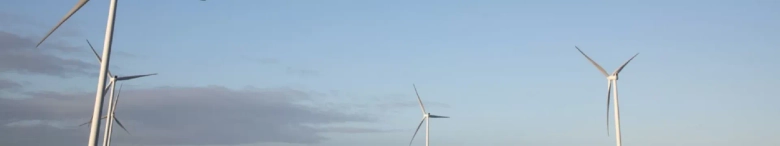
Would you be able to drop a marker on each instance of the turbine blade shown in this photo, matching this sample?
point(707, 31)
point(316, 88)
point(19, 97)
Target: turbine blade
point(72, 11)
point(593, 62)
point(617, 71)
point(415, 131)
point(133, 77)
point(116, 99)
point(437, 116)
point(85, 123)
point(94, 51)
point(609, 92)
point(90, 121)
point(98, 57)
point(120, 125)
point(418, 99)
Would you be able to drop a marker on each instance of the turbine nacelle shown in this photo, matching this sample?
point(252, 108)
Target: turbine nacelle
point(613, 77)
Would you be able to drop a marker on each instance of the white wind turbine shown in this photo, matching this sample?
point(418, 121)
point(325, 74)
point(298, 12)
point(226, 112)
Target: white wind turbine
point(425, 117)
point(97, 109)
point(611, 83)
point(108, 39)
point(111, 106)
point(111, 115)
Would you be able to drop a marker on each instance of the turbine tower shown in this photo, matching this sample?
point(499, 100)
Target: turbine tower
point(425, 119)
point(114, 79)
point(611, 87)
point(111, 115)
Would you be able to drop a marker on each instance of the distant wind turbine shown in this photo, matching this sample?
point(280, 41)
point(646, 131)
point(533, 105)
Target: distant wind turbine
point(425, 117)
point(611, 83)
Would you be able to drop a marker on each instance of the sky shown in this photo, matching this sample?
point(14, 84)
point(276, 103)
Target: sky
point(338, 72)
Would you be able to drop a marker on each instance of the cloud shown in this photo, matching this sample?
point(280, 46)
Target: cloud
point(40, 135)
point(211, 115)
point(19, 55)
point(8, 85)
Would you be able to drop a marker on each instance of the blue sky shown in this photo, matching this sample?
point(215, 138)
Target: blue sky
point(507, 70)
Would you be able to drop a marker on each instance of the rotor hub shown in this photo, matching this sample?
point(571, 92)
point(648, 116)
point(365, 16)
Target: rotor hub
point(612, 77)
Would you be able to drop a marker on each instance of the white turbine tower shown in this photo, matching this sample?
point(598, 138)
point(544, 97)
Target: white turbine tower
point(425, 117)
point(611, 83)
point(111, 106)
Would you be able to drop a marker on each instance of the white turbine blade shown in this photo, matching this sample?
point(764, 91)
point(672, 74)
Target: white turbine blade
point(120, 125)
point(116, 99)
point(617, 71)
point(437, 116)
point(593, 62)
point(133, 77)
point(90, 121)
point(98, 57)
point(609, 92)
point(72, 11)
point(418, 99)
point(415, 131)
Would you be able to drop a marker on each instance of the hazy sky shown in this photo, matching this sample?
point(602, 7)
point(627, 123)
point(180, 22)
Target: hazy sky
point(506, 71)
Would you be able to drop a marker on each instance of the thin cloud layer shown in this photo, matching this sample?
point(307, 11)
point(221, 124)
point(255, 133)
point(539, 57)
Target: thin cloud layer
point(8, 85)
point(19, 55)
point(211, 115)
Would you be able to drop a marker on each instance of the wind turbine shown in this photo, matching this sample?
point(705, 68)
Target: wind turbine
point(108, 39)
point(611, 87)
point(111, 115)
point(425, 117)
point(114, 79)
point(109, 36)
